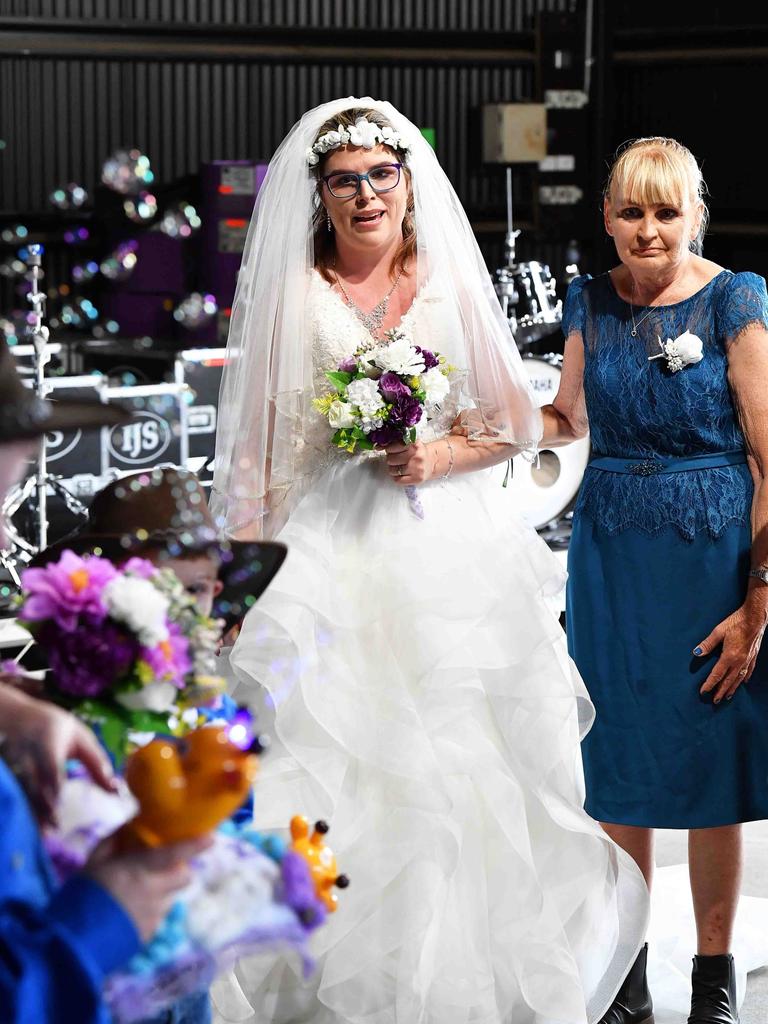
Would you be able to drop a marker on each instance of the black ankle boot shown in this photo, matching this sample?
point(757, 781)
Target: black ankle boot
point(632, 1004)
point(713, 1000)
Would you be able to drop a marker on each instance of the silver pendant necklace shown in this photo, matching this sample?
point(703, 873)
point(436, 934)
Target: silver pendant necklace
point(372, 321)
point(635, 326)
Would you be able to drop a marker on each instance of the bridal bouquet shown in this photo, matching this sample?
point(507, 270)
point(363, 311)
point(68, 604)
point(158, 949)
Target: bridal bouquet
point(127, 648)
point(384, 395)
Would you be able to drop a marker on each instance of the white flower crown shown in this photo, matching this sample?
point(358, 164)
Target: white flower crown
point(363, 133)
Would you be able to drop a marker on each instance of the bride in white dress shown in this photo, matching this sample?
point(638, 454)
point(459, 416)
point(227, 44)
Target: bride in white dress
point(425, 702)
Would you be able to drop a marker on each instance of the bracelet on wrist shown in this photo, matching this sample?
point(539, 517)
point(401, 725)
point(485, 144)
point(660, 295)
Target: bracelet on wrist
point(448, 471)
point(760, 573)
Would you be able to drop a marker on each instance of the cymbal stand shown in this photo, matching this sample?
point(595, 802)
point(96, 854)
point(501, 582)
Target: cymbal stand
point(504, 278)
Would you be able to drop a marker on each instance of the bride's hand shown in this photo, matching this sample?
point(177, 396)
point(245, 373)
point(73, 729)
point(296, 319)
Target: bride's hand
point(409, 464)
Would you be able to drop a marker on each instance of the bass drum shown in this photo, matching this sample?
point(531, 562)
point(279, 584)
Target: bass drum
point(543, 493)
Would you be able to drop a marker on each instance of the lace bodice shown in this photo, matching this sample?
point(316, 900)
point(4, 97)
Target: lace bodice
point(336, 333)
point(639, 409)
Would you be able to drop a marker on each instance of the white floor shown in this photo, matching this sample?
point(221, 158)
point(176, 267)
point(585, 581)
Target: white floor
point(671, 848)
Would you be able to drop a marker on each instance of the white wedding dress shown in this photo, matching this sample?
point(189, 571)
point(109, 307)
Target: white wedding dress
point(427, 708)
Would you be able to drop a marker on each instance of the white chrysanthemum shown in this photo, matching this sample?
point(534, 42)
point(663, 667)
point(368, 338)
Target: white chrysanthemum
point(365, 395)
point(156, 696)
point(312, 157)
point(399, 356)
point(140, 606)
point(435, 385)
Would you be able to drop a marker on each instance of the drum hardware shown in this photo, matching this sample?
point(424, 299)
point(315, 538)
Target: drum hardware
point(39, 484)
point(526, 290)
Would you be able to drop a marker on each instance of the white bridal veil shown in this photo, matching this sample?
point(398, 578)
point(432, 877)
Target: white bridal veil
point(265, 406)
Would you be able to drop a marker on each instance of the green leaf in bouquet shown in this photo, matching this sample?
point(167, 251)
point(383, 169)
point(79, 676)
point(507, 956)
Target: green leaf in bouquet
point(411, 436)
point(110, 722)
point(339, 379)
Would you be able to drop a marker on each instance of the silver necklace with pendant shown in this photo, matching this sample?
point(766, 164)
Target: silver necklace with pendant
point(635, 326)
point(372, 321)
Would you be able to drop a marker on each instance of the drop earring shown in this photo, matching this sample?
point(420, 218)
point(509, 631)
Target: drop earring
point(328, 222)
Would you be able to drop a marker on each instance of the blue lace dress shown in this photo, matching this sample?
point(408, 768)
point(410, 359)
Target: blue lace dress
point(659, 556)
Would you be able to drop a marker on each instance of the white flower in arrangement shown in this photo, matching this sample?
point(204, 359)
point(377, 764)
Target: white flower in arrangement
point(399, 356)
point(435, 384)
point(140, 606)
point(684, 350)
point(340, 415)
point(158, 697)
point(365, 395)
point(312, 157)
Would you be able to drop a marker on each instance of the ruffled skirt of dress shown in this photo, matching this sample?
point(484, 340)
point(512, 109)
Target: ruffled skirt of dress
point(427, 708)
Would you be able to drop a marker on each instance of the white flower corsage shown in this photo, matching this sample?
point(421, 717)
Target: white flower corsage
point(685, 350)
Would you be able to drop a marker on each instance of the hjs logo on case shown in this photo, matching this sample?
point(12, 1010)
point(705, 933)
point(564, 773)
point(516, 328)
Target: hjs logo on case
point(142, 441)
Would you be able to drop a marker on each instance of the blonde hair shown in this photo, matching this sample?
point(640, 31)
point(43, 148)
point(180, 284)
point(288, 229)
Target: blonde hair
point(325, 245)
point(658, 170)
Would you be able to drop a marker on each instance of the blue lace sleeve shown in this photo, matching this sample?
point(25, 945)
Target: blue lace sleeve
point(744, 302)
point(573, 308)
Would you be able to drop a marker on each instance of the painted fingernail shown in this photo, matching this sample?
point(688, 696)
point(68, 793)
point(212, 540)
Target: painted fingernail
point(697, 651)
point(729, 697)
point(716, 700)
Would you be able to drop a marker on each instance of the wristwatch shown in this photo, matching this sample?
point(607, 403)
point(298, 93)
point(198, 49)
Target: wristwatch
point(760, 574)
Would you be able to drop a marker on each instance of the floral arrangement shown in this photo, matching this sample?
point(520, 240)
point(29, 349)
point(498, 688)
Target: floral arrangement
point(127, 648)
point(685, 350)
point(364, 133)
point(383, 395)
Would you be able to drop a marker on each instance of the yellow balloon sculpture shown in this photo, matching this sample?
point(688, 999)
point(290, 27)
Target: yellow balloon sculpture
point(185, 788)
point(319, 857)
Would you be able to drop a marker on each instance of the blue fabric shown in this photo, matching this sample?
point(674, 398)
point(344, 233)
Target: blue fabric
point(194, 1009)
point(676, 464)
point(659, 754)
point(54, 948)
point(639, 409)
point(657, 560)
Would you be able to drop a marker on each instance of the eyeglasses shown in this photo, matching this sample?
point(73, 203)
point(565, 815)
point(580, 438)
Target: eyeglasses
point(345, 184)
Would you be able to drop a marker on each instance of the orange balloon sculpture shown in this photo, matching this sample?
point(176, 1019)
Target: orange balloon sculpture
point(186, 788)
point(319, 857)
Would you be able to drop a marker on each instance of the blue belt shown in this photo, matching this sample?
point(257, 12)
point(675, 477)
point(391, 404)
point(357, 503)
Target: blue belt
point(650, 467)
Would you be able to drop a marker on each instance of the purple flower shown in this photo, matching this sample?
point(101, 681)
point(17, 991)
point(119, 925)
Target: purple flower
point(140, 567)
point(87, 662)
point(170, 660)
point(68, 591)
point(406, 411)
point(388, 434)
point(430, 359)
point(392, 387)
point(348, 365)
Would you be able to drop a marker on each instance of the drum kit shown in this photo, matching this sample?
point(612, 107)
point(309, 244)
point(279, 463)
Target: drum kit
point(544, 492)
point(173, 423)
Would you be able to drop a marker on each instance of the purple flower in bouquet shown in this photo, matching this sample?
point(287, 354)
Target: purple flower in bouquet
point(68, 592)
point(87, 662)
point(170, 659)
point(348, 365)
point(140, 567)
point(430, 359)
point(392, 387)
point(406, 411)
point(388, 434)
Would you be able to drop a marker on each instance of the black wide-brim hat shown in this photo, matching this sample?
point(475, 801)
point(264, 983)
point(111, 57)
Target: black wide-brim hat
point(165, 509)
point(24, 416)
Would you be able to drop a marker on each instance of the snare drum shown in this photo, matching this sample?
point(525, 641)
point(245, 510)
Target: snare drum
point(544, 493)
point(537, 310)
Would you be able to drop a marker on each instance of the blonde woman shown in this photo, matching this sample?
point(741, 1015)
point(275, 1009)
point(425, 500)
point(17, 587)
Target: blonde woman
point(666, 361)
